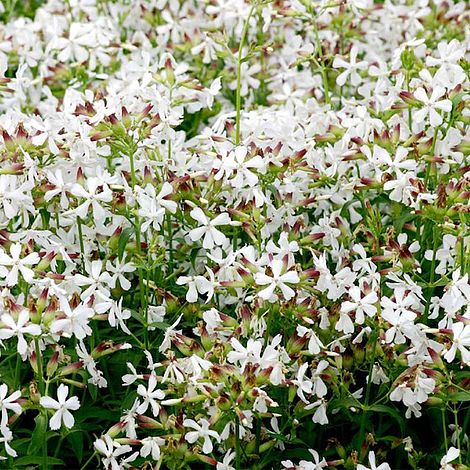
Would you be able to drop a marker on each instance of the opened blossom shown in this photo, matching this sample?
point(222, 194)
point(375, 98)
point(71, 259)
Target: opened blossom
point(201, 431)
point(11, 327)
point(62, 407)
point(234, 234)
point(351, 68)
point(279, 279)
point(13, 265)
point(207, 229)
point(460, 342)
point(431, 105)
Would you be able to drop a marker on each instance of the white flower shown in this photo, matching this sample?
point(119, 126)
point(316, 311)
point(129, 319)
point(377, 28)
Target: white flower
point(378, 375)
point(151, 445)
point(382, 466)
point(451, 455)
point(314, 344)
point(212, 236)
point(150, 396)
point(17, 265)
point(197, 285)
point(277, 280)
point(153, 206)
point(360, 305)
point(303, 385)
point(111, 450)
point(320, 415)
point(8, 403)
point(460, 341)
point(75, 323)
point(444, 255)
point(430, 105)
point(235, 162)
point(170, 332)
point(351, 68)
point(74, 47)
point(62, 405)
point(94, 197)
point(226, 464)
point(210, 48)
point(119, 270)
point(90, 364)
point(250, 354)
point(18, 328)
point(399, 314)
point(319, 387)
point(202, 431)
point(96, 281)
point(6, 438)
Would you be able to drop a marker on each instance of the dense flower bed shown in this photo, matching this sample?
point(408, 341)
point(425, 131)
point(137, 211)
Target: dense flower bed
point(235, 235)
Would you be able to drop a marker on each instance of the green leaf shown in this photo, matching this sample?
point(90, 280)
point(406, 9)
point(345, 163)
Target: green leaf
point(37, 460)
point(123, 239)
point(193, 255)
point(401, 220)
point(390, 411)
point(160, 325)
point(456, 99)
point(37, 437)
point(93, 389)
point(459, 396)
point(95, 414)
point(76, 442)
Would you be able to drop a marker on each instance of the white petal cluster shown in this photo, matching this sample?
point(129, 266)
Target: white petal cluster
point(233, 232)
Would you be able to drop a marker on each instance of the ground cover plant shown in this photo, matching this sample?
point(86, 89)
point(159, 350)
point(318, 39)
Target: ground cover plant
point(234, 234)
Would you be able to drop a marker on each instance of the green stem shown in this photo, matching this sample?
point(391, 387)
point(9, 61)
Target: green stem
point(457, 432)
point(40, 369)
point(17, 371)
point(258, 435)
point(325, 85)
point(169, 228)
point(239, 74)
point(444, 429)
point(433, 272)
point(374, 337)
point(80, 239)
point(410, 118)
point(462, 246)
point(324, 75)
point(45, 463)
point(237, 444)
point(144, 311)
point(131, 161)
point(88, 461)
point(59, 445)
point(142, 290)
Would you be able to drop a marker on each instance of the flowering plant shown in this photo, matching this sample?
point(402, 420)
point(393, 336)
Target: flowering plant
point(234, 234)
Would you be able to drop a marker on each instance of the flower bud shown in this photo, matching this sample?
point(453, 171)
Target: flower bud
point(33, 360)
point(52, 364)
point(296, 343)
point(148, 423)
point(34, 394)
point(46, 261)
point(223, 403)
point(74, 383)
point(434, 401)
point(207, 459)
point(116, 429)
point(409, 99)
point(170, 74)
point(408, 59)
point(70, 369)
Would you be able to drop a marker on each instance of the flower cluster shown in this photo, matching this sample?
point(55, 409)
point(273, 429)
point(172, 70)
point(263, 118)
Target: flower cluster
point(235, 234)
